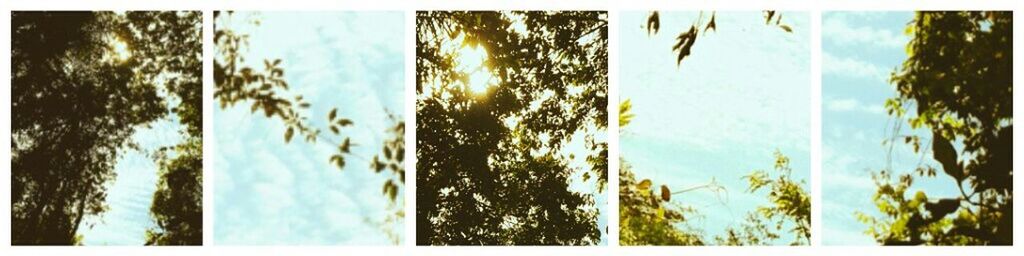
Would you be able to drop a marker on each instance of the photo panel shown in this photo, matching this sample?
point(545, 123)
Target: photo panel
point(106, 123)
point(309, 128)
point(714, 128)
point(917, 128)
point(511, 127)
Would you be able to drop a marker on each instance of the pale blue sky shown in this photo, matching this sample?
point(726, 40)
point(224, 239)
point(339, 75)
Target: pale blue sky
point(859, 52)
point(269, 192)
point(743, 93)
point(130, 194)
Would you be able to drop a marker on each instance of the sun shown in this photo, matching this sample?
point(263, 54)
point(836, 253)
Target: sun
point(118, 51)
point(471, 61)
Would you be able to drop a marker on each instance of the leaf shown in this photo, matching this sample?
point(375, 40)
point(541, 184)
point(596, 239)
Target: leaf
point(334, 129)
point(666, 194)
point(625, 117)
point(786, 28)
point(387, 153)
point(344, 122)
point(653, 23)
point(332, 114)
point(711, 24)
point(644, 185)
point(685, 42)
point(288, 134)
point(942, 208)
point(304, 105)
point(944, 153)
point(338, 161)
point(345, 145)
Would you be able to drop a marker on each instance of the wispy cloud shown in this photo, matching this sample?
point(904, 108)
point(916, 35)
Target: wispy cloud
point(852, 68)
point(852, 105)
point(835, 28)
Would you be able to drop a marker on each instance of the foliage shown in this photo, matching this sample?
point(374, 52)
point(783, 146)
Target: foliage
point(76, 101)
point(178, 201)
point(686, 40)
point(177, 207)
point(237, 83)
point(790, 206)
point(958, 73)
point(646, 219)
point(490, 164)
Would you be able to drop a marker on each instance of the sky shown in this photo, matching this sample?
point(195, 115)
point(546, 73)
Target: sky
point(130, 194)
point(859, 52)
point(742, 94)
point(268, 192)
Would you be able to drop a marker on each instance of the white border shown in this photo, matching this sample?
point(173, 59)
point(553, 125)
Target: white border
point(814, 7)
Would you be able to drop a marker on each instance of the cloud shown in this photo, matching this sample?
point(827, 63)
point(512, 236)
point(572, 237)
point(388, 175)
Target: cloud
point(836, 29)
point(851, 105)
point(853, 68)
point(272, 192)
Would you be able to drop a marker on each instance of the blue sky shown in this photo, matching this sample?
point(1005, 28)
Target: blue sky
point(859, 52)
point(130, 194)
point(743, 93)
point(269, 192)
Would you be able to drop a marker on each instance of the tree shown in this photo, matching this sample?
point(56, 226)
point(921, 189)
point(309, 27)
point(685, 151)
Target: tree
point(491, 163)
point(76, 101)
point(177, 207)
point(958, 73)
point(235, 83)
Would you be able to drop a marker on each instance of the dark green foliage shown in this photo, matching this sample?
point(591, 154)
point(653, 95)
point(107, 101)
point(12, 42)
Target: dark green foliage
point(958, 74)
point(75, 106)
point(178, 202)
point(483, 181)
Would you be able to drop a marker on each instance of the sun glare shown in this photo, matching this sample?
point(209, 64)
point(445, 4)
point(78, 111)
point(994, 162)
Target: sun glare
point(471, 62)
point(118, 51)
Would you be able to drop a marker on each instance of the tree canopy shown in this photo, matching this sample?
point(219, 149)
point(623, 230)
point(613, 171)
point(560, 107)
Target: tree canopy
point(82, 84)
point(958, 76)
point(492, 167)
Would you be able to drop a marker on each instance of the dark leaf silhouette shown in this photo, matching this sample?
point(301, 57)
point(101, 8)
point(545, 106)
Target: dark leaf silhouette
point(958, 73)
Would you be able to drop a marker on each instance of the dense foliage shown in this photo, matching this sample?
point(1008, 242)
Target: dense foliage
point(76, 102)
point(492, 167)
point(958, 74)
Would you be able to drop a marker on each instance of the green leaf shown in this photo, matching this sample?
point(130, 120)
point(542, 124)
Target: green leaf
point(288, 134)
point(344, 122)
point(644, 185)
